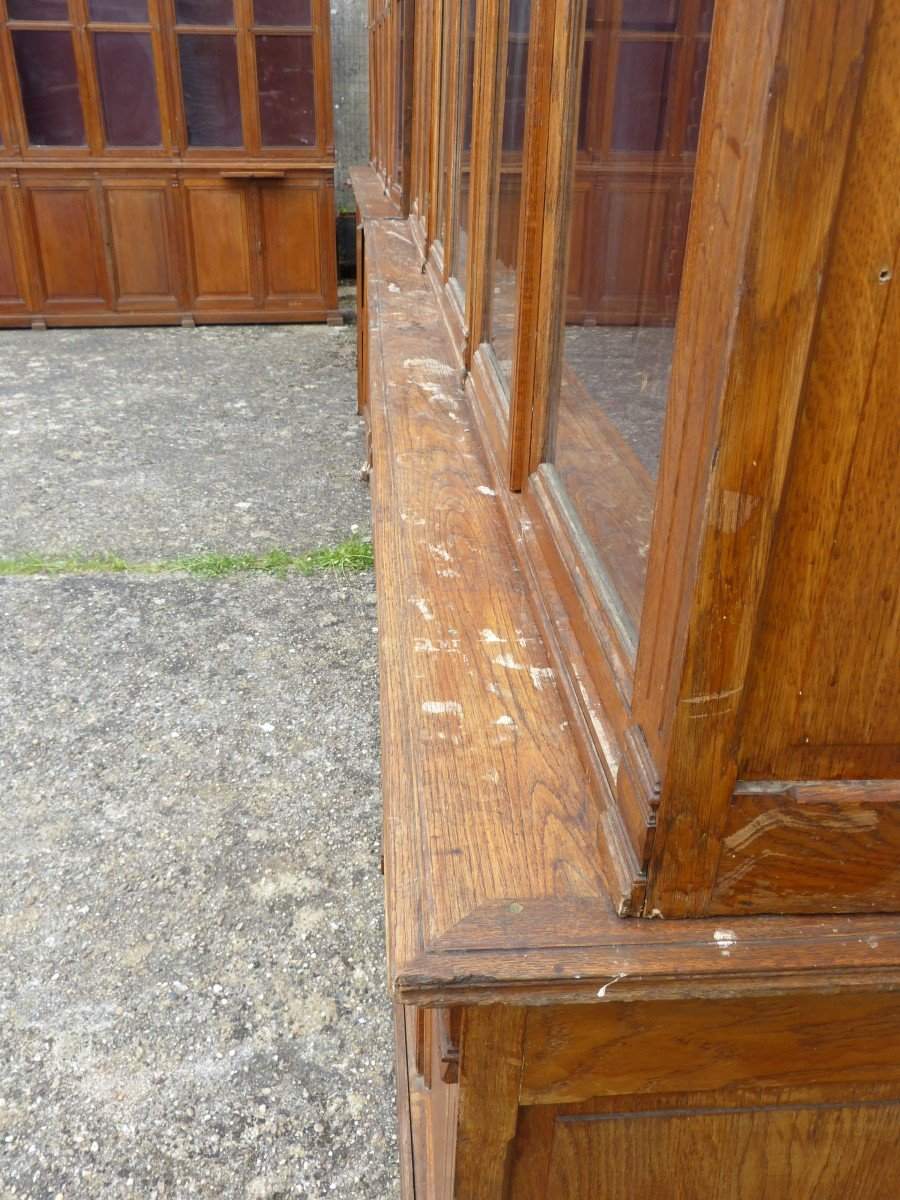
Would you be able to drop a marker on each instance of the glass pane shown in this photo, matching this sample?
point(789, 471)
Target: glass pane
point(37, 10)
point(640, 107)
point(204, 12)
point(282, 12)
point(287, 92)
point(45, 59)
point(584, 99)
point(658, 16)
point(464, 118)
point(127, 11)
point(127, 89)
point(627, 232)
point(509, 198)
point(209, 84)
point(706, 15)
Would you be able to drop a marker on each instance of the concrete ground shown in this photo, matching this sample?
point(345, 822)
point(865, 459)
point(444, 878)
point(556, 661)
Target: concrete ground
point(192, 998)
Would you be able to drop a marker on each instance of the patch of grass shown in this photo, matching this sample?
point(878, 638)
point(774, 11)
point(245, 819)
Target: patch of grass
point(353, 554)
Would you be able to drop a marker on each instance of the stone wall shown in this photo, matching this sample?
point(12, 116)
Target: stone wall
point(350, 59)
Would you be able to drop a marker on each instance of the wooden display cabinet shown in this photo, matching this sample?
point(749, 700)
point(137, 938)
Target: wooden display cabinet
point(166, 161)
point(631, 384)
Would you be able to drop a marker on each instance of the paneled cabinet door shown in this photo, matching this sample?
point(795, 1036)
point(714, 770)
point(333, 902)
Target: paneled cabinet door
point(64, 224)
point(222, 245)
point(13, 295)
point(293, 216)
point(143, 242)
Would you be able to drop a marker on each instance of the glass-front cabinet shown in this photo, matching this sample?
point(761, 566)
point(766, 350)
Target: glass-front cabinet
point(560, 153)
point(230, 100)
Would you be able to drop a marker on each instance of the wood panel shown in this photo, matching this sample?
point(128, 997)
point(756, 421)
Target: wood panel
point(13, 295)
point(832, 709)
point(68, 244)
point(835, 1152)
point(577, 1052)
point(221, 243)
point(142, 236)
point(829, 847)
point(291, 240)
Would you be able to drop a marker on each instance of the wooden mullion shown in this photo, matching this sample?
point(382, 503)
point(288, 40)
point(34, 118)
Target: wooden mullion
point(453, 148)
point(168, 39)
point(323, 80)
point(405, 115)
point(88, 84)
point(246, 50)
point(489, 73)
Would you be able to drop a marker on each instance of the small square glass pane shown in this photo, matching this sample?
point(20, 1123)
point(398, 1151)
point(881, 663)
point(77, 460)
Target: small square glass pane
point(204, 12)
point(287, 91)
point(654, 16)
point(641, 104)
point(37, 10)
point(45, 59)
point(128, 12)
point(211, 90)
point(127, 78)
point(282, 12)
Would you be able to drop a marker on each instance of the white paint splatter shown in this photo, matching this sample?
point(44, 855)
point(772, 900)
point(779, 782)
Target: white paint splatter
point(441, 552)
point(433, 364)
point(725, 939)
point(506, 720)
point(489, 636)
point(539, 674)
point(422, 607)
point(486, 491)
point(442, 706)
point(506, 660)
point(392, 287)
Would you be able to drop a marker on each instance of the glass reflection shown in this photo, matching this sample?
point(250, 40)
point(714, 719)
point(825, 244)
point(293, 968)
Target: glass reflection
point(636, 141)
point(509, 186)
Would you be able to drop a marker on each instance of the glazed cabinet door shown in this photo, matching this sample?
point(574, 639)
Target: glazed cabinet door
point(222, 246)
point(142, 237)
point(13, 293)
point(295, 217)
point(63, 219)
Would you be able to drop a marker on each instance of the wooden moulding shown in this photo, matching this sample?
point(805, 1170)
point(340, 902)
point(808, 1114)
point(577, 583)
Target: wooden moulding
point(496, 850)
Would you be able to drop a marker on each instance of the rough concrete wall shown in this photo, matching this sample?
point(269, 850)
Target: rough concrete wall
point(350, 59)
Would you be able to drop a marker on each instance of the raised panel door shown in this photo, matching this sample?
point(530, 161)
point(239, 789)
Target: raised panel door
point(291, 240)
point(141, 234)
point(68, 245)
point(222, 243)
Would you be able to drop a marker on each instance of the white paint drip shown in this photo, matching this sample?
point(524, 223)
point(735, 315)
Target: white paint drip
point(615, 979)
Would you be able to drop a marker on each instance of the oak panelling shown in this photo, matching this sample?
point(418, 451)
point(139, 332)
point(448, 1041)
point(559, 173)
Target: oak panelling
point(576, 1052)
point(64, 221)
point(829, 847)
point(494, 873)
point(142, 225)
point(13, 293)
point(489, 1071)
point(755, 374)
point(836, 1152)
point(832, 708)
point(291, 240)
point(220, 234)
